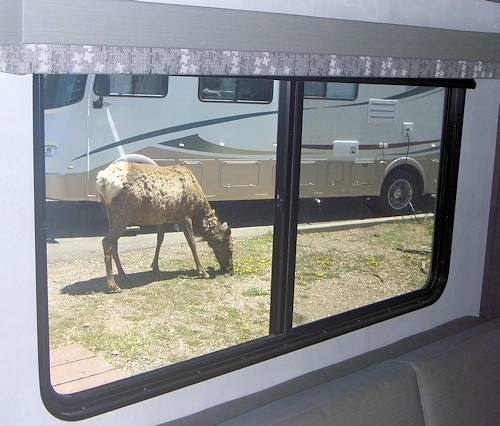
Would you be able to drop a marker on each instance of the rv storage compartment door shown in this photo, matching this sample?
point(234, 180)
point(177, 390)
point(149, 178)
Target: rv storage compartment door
point(345, 150)
point(239, 174)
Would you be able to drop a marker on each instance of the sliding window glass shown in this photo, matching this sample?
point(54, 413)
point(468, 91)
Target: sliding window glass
point(121, 147)
point(368, 179)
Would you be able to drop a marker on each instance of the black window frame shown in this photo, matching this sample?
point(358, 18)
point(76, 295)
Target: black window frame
point(283, 338)
point(236, 99)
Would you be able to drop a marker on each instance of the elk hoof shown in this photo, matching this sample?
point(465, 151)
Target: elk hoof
point(113, 289)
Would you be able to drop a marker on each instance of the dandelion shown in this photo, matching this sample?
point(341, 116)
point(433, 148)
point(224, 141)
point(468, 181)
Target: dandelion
point(370, 261)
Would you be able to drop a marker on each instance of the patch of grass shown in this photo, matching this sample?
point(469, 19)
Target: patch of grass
point(299, 319)
point(97, 338)
point(251, 265)
point(178, 316)
point(254, 257)
point(319, 264)
point(257, 243)
point(252, 292)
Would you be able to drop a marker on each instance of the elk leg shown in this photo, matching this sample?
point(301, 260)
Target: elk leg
point(187, 228)
point(121, 272)
point(110, 248)
point(160, 234)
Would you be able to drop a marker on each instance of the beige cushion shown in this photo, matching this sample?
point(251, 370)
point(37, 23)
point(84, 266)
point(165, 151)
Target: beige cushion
point(384, 394)
point(459, 377)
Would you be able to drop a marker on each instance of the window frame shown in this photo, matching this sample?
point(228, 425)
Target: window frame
point(75, 99)
point(283, 338)
point(327, 98)
point(235, 100)
point(129, 95)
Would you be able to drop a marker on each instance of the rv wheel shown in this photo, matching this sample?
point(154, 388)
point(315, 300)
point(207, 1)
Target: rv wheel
point(400, 194)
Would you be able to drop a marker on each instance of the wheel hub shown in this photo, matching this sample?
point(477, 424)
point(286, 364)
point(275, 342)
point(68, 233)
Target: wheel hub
point(400, 193)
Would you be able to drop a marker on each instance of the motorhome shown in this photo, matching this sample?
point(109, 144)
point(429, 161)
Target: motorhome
point(390, 320)
point(224, 130)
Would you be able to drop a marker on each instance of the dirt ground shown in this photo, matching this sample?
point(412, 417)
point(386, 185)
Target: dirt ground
point(162, 319)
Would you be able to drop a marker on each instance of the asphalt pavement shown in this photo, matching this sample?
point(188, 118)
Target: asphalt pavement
point(76, 229)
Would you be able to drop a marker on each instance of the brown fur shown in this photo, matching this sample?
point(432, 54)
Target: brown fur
point(149, 195)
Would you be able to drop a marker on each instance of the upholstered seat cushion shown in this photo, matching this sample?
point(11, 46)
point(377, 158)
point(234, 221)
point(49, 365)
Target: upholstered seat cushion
point(383, 394)
point(459, 376)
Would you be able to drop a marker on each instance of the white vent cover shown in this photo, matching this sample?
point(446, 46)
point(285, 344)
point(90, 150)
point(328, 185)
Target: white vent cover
point(382, 111)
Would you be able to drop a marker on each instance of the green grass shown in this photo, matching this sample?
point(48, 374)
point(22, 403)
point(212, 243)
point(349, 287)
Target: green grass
point(157, 322)
point(254, 255)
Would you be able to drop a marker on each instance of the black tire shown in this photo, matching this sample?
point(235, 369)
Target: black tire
point(401, 193)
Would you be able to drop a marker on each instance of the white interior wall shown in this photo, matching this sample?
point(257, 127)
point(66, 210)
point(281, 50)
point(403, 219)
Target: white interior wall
point(18, 310)
point(21, 403)
point(18, 357)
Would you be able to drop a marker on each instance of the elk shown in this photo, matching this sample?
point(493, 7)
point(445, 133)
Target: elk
point(146, 194)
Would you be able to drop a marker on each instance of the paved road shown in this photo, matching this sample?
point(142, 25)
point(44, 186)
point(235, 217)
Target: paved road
point(65, 249)
point(75, 230)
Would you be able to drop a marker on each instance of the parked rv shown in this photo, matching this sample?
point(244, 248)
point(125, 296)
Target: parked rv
point(358, 139)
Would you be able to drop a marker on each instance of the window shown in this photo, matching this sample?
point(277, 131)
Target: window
point(323, 90)
point(62, 90)
point(131, 85)
point(235, 90)
point(281, 176)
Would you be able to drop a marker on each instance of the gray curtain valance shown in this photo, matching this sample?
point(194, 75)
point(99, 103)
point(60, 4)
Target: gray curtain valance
point(78, 59)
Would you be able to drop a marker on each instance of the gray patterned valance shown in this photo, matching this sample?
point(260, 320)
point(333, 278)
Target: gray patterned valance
point(50, 58)
point(123, 36)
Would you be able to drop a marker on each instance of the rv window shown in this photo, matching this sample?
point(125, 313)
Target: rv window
point(235, 90)
point(62, 90)
point(232, 157)
point(131, 85)
point(344, 154)
point(322, 90)
point(333, 224)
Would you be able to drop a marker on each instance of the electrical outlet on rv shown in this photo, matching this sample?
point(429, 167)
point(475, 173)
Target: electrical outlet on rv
point(407, 129)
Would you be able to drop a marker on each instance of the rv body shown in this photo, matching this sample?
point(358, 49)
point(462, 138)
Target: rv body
point(352, 138)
